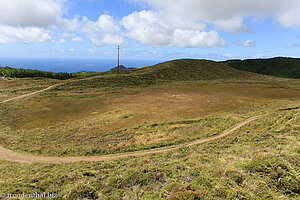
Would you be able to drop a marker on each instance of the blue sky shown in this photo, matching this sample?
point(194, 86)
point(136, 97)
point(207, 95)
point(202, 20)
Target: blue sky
point(150, 29)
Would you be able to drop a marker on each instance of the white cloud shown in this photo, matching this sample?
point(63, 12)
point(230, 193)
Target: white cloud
point(249, 43)
point(290, 19)
point(228, 16)
point(101, 32)
point(91, 51)
point(36, 20)
point(113, 39)
point(38, 13)
point(234, 25)
point(9, 34)
point(150, 28)
point(108, 24)
point(29, 21)
point(73, 36)
point(60, 41)
point(188, 38)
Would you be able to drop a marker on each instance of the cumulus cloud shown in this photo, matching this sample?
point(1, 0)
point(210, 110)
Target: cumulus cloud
point(60, 41)
point(73, 36)
point(9, 34)
point(108, 24)
point(29, 21)
point(147, 27)
point(234, 25)
point(229, 16)
point(249, 43)
point(188, 38)
point(30, 12)
point(150, 28)
point(103, 31)
point(36, 20)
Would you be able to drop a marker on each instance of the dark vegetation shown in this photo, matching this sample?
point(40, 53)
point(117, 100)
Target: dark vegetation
point(24, 73)
point(280, 66)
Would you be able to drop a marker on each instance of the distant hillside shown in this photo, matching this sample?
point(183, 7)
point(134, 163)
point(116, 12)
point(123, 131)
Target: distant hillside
point(280, 66)
point(118, 68)
point(176, 70)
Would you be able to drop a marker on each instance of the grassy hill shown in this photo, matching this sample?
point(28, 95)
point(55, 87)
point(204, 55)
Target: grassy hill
point(176, 70)
point(280, 66)
point(184, 100)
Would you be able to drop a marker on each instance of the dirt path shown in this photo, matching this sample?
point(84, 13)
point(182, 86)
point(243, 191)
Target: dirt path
point(9, 155)
point(29, 94)
point(6, 154)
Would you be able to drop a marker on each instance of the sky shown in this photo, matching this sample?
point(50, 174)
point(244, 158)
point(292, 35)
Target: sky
point(150, 29)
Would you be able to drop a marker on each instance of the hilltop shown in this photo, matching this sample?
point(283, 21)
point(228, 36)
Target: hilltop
point(191, 69)
point(170, 71)
point(280, 66)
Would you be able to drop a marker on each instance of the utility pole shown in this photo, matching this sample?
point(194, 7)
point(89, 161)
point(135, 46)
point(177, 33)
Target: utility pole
point(118, 59)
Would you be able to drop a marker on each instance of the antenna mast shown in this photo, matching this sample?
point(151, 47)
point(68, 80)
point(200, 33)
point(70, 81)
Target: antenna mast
point(118, 59)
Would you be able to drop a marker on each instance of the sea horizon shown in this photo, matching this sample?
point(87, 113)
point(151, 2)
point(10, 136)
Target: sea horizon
point(72, 65)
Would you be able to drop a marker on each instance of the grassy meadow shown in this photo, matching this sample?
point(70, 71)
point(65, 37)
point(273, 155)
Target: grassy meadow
point(140, 109)
point(12, 87)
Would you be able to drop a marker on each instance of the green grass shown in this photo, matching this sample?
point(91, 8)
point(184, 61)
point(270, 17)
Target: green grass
point(126, 121)
point(74, 140)
point(84, 73)
point(12, 87)
point(258, 161)
point(170, 103)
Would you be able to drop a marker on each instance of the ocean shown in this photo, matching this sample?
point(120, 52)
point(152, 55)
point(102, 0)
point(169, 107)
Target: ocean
point(72, 64)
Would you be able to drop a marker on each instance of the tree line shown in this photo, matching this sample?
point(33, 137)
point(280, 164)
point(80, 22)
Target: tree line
point(280, 66)
point(23, 73)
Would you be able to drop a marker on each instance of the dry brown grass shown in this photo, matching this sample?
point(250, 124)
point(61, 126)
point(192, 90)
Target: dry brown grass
point(108, 119)
point(157, 103)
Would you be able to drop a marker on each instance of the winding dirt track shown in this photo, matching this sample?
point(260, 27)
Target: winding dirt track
point(29, 94)
point(9, 155)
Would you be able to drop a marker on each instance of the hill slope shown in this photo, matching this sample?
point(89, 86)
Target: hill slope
point(176, 70)
point(280, 66)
